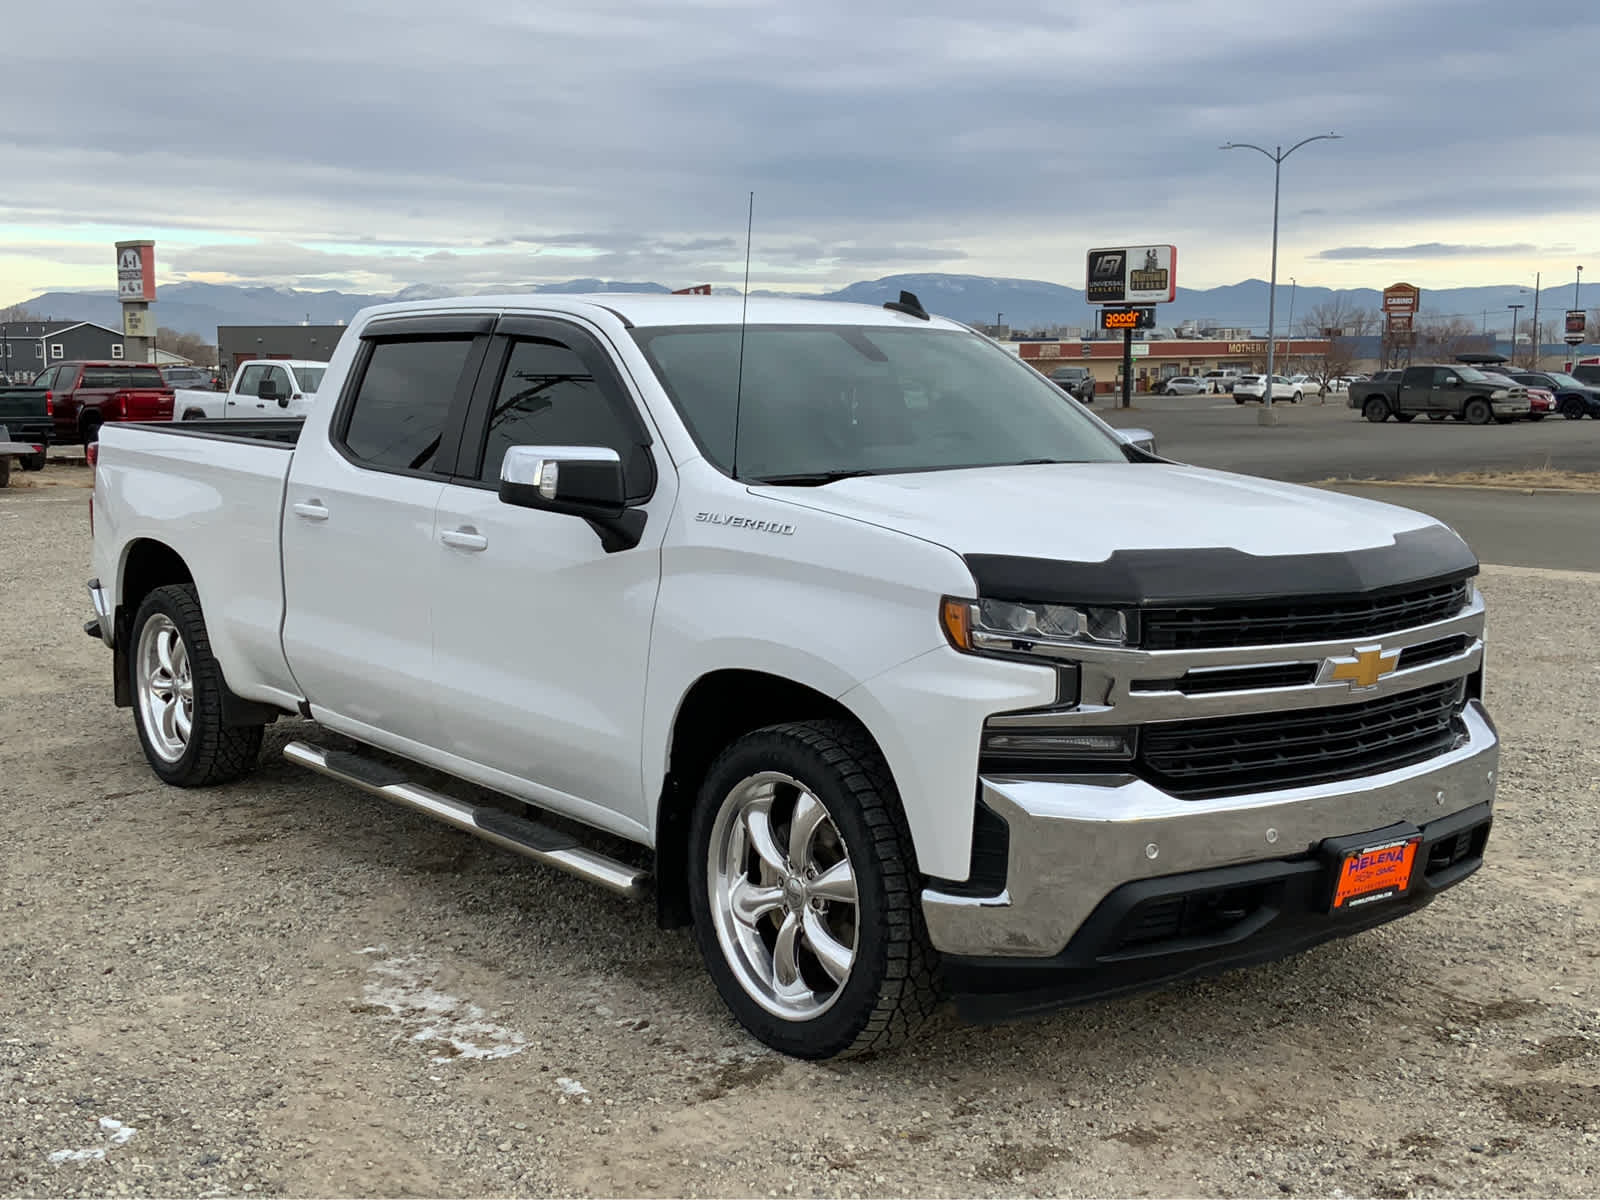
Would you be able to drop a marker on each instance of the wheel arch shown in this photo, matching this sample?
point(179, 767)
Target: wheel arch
point(719, 707)
point(148, 564)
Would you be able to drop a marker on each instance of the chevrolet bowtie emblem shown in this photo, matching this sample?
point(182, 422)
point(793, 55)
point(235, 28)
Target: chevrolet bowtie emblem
point(1370, 664)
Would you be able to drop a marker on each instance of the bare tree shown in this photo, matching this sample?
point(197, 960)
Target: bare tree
point(1341, 324)
point(18, 314)
point(191, 346)
point(1446, 337)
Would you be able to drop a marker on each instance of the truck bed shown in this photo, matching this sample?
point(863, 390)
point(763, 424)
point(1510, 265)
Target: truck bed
point(281, 432)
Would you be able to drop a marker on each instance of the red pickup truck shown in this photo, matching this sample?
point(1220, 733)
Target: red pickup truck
point(85, 395)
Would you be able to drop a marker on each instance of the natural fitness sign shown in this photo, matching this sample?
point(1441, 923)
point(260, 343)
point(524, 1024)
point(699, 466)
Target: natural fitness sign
point(1132, 275)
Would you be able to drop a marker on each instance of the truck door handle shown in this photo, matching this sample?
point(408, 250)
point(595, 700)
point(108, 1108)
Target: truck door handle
point(465, 539)
point(311, 510)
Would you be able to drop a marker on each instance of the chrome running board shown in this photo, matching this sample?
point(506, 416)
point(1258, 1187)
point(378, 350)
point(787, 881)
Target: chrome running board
point(528, 838)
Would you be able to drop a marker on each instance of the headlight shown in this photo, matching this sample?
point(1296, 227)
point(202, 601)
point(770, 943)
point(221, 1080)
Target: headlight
point(1499, 394)
point(1052, 630)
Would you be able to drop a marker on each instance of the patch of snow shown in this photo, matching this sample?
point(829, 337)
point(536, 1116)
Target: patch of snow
point(426, 1014)
point(117, 1133)
point(571, 1087)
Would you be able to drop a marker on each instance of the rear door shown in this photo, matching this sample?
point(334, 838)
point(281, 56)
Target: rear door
point(1415, 390)
point(146, 395)
point(358, 528)
point(541, 635)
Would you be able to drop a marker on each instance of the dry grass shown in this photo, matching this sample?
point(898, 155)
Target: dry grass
point(1548, 478)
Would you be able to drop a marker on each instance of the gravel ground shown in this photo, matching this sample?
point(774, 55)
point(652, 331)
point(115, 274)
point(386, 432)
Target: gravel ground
point(286, 987)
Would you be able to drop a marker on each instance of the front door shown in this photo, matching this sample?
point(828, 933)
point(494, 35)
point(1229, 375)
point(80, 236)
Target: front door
point(541, 636)
point(358, 529)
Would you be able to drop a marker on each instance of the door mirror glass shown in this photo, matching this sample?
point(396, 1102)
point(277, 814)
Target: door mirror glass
point(584, 481)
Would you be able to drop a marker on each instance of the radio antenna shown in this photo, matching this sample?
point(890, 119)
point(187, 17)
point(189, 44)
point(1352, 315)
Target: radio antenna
point(744, 311)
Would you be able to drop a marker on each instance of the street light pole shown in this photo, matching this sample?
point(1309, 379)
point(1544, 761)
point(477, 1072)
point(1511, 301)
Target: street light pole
point(1293, 283)
point(1514, 308)
point(1277, 154)
point(1536, 335)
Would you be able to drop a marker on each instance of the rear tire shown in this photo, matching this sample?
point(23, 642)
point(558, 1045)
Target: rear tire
point(194, 414)
point(89, 429)
point(1376, 410)
point(1477, 412)
point(781, 811)
point(1536, 416)
point(177, 686)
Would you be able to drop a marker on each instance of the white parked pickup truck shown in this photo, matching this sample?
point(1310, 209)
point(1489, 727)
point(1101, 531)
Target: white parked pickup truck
point(907, 677)
point(261, 387)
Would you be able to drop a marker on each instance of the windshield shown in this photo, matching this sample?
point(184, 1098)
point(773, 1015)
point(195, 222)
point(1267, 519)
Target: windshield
point(827, 400)
point(310, 377)
point(1472, 375)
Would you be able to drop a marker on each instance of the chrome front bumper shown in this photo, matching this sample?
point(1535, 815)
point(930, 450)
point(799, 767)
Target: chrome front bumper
point(1072, 842)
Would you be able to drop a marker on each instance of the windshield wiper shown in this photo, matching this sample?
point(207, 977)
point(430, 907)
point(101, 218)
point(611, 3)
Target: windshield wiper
point(809, 479)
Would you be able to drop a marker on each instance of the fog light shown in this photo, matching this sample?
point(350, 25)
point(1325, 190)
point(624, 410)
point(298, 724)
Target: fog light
point(1059, 743)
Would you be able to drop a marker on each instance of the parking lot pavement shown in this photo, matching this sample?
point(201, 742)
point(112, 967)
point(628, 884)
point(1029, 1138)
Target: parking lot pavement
point(1321, 441)
point(1508, 527)
point(284, 987)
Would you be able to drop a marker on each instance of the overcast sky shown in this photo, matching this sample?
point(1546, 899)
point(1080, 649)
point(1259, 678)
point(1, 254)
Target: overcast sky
point(364, 145)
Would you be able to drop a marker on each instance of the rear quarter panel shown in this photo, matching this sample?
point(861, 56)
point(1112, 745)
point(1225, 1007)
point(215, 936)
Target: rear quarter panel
point(217, 504)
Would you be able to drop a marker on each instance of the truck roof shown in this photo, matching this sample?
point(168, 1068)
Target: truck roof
point(649, 310)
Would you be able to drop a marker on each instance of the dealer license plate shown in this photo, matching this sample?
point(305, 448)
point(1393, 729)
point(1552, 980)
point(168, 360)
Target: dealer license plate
point(1375, 873)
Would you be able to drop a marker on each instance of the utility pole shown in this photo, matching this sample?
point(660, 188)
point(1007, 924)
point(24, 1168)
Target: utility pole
point(1514, 308)
point(1536, 334)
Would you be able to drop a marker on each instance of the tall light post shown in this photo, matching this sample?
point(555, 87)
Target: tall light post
point(1514, 308)
point(1277, 154)
point(1536, 333)
point(1293, 283)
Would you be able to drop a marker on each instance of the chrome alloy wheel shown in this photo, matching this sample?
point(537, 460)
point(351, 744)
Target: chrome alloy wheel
point(165, 684)
point(783, 896)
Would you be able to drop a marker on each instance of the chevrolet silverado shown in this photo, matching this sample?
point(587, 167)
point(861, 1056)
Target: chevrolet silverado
point(904, 680)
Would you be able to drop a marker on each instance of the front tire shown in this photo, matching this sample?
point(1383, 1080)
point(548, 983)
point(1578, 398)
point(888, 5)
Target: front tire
point(1573, 409)
point(1376, 409)
point(1477, 412)
point(177, 686)
point(803, 887)
point(32, 462)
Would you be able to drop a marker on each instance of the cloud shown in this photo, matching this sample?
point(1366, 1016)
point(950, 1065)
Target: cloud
point(1427, 250)
point(606, 134)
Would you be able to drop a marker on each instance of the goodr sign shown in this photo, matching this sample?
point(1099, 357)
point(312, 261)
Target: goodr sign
point(1132, 275)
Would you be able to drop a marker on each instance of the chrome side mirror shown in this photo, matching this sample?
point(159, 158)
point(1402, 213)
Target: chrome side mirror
point(583, 481)
point(1139, 439)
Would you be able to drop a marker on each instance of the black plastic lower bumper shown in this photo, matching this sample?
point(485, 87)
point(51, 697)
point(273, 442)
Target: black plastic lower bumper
point(1156, 931)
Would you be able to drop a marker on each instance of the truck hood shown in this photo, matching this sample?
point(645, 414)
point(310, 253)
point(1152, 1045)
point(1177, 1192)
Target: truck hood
point(1085, 512)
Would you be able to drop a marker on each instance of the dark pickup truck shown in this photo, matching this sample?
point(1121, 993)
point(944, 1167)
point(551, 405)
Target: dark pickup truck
point(25, 415)
point(1437, 392)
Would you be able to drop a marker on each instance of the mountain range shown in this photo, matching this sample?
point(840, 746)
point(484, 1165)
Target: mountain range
point(1023, 304)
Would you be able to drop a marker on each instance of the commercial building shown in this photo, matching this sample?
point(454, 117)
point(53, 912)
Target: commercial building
point(239, 343)
point(1154, 361)
point(28, 347)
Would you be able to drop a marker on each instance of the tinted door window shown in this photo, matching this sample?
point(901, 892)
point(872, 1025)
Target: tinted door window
point(547, 397)
point(281, 377)
point(104, 377)
point(399, 413)
point(143, 377)
point(250, 380)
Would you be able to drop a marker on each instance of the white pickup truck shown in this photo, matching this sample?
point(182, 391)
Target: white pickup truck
point(261, 387)
point(906, 677)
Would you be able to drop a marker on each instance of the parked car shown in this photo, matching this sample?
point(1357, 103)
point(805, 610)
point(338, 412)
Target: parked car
point(27, 413)
point(187, 377)
point(86, 395)
point(1182, 385)
point(1574, 399)
point(1075, 381)
point(882, 728)
point(1440, 391)
point(1306, 385)
point(1254, 387)
point(262, 387)
point(1220, 381)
